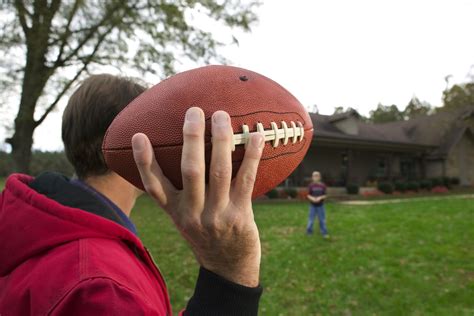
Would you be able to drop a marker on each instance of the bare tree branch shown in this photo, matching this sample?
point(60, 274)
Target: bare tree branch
point(21, 15)
point(52, 9)
point(66, 87)
point(89, 35)
point(67, 32)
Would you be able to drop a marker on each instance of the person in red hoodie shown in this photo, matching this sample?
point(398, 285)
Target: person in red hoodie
point(68, 246)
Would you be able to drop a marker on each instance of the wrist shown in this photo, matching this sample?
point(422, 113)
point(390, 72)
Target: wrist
point(245, 275)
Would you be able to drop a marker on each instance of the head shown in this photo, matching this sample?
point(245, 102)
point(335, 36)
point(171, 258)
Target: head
point(316, 176)
point(88, 114)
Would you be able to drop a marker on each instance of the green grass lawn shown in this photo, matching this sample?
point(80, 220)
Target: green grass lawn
point(412, 258)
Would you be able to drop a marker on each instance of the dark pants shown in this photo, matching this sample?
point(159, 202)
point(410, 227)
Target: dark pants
point(319, 211)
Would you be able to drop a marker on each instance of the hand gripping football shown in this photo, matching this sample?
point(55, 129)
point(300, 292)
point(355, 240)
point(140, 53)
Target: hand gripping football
point(254, 103)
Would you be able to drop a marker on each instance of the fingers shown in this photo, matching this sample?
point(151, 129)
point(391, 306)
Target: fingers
point(192, 160)
point(220, 172)
point(153, 179)
point(245, 179)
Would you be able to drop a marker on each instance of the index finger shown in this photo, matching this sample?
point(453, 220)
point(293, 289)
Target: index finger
point(154, 181)
point(192, 160)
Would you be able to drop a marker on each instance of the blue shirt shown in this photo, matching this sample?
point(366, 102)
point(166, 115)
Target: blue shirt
point(126, 220)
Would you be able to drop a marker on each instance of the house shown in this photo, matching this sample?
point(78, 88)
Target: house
point(346, 149)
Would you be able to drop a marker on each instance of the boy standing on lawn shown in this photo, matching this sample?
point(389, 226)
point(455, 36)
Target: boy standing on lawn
point(316, 196)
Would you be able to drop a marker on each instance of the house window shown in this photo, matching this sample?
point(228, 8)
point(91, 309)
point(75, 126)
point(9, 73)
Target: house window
point(344, 161)
point(408, 168)
point(381, 170)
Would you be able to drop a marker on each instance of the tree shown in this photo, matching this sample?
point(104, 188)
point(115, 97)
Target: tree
point(385, 113)
point(459, 95)
point(50, 44)
point(415, 108)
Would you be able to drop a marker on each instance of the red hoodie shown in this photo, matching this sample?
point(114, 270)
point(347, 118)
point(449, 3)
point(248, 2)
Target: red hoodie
point(59, 260)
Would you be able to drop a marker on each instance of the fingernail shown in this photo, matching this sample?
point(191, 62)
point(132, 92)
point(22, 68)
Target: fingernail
point(220, 118)
point(138, 143)
point(257, 140)
point(193, 115)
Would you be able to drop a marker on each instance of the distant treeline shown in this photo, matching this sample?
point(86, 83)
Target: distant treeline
point(41, 161)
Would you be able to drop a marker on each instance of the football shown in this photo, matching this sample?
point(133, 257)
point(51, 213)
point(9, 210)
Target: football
point(254, 103)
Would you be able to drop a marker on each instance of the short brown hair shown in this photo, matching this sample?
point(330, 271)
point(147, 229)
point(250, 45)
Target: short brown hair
point(88, 114)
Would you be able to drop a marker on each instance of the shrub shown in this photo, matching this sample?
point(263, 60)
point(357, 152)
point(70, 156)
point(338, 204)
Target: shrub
point(302, 193)
point(291, 192)
point(282, 193)
point(272, 194)
point(40, 161)
point(440, 189)
point(352, 188)
point(50, 161)
point(446, 181)
point(435, 182)
point(426, 184)
point(6, 164)
point(400, 186)
point(413, 186)
point(455, 181)
point(372, 193)
point(386, 187)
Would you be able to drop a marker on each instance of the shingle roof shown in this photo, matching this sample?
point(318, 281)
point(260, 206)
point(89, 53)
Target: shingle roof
point(342, 116)
point(438, 130)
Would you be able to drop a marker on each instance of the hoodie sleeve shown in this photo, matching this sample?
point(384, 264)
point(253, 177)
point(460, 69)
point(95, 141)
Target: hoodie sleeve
point(103, 296)
point(215, 296)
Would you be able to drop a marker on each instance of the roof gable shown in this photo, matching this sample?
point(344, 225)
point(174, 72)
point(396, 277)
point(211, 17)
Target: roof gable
point(437, 130)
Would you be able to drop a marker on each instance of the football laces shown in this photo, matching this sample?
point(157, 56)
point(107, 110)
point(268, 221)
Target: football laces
point(275, 134)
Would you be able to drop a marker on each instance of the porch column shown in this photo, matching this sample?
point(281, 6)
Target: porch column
point(389, 166)
point(350, 157)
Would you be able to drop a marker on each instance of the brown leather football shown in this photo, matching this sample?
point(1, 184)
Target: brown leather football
point(254, 103)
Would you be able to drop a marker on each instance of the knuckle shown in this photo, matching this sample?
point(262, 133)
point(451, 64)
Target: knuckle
point(253, 154)
point(188, 223)
point(151, 190)
point(248, 179)
point(210, 223)
point(221, 173)
point(222, 134)
point(193, 129)
point(191, 172)
point(140, 161)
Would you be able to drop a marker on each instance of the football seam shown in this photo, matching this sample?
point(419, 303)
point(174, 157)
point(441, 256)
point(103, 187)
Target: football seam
point(233, 161)
point(266, 111)
point(181, 144)
point(206, 133)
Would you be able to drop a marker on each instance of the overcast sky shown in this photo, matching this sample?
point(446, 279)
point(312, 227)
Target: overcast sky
point(349, 53)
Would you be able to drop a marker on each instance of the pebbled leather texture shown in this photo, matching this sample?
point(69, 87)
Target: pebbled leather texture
point(247, 96)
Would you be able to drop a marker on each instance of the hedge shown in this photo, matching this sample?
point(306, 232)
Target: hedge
point(352, 189)
point(40, 161)
point(385, 187)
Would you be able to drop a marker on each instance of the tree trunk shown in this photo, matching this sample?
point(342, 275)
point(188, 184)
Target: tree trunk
point(34, 80)
point(22, 142)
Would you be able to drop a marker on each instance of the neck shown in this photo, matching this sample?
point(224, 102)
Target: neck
point(116, 189)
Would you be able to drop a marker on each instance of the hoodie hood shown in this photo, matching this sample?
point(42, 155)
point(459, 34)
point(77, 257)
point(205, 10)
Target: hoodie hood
point(33, 222)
